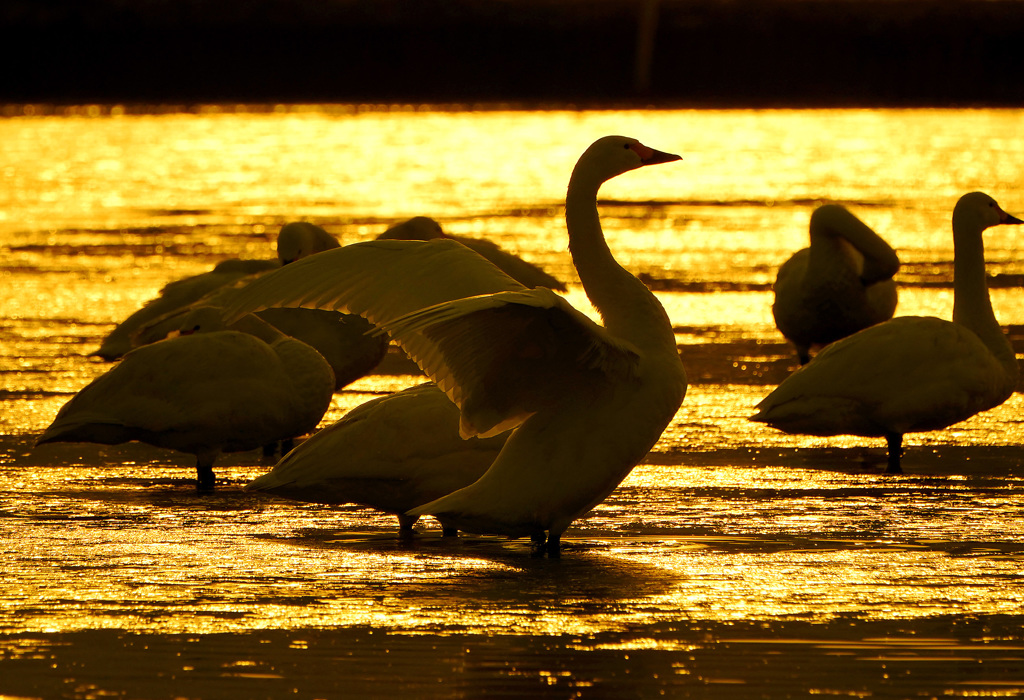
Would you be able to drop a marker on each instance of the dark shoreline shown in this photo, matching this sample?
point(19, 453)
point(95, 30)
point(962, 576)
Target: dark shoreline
point(583, 53)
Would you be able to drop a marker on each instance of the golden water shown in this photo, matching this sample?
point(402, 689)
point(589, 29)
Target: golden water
point(734, 558)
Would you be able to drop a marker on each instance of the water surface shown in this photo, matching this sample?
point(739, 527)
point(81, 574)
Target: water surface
point(735, 560)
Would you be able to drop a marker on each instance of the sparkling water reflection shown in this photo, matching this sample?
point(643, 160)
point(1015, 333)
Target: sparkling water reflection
point(734, 558)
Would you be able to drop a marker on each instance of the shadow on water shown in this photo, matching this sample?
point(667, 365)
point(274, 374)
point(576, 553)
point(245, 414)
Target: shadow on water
point(481, 573)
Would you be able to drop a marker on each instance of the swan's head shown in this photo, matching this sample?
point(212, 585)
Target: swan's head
point(613, 155)
point(300, 238)
point(832, 220)
point(418, 228)
point(977, 211)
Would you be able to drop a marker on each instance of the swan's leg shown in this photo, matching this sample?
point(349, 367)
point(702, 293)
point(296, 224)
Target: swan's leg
point(554, 545)
point(405, 523)
point(550, 546)
point(895, 443)
point(204, 475)
point(803, 354)
point(538, 541)
point(272, 449)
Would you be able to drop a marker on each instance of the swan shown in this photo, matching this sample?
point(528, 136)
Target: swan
point(911, 373)
point(299, 239)
point(392, 453)
point(839, 285)
point(295, 240)
point(423, 228)
point(204, 393)
point(586, 401)
point(346, 341)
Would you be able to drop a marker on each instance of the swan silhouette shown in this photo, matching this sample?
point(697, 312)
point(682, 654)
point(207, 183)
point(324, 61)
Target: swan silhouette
point(586, 401)
point(911, 373)
point(345, 340)
point(208, 392)
point(295, 240)
point(839, 285)
point(392, 453)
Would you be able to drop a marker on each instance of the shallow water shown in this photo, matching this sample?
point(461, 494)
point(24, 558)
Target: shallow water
point(735, 560)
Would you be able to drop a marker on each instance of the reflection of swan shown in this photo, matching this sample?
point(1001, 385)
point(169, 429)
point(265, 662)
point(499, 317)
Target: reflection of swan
point(295, 240)
point(839, 285)
point(203, 394)
point(393, 453)
point(587, 401)
point(912, 373)
point(422, 228)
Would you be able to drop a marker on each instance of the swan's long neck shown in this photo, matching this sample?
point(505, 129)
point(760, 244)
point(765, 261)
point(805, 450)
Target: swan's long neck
point(972, 307)
point(629, 309)
point(833, 228)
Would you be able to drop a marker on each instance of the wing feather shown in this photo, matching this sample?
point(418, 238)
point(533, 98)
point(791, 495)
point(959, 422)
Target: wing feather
point(503, 357)
point(376, 279)
point(500, 351)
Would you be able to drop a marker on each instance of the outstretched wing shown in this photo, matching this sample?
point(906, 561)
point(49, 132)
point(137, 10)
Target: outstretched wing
point(503, 357)
point(500, 351)
point(378, 280)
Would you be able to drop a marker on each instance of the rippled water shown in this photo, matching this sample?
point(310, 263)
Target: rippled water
point(735, 561)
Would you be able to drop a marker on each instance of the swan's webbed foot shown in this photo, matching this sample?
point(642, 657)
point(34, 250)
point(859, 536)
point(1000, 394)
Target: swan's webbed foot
point(895, 444)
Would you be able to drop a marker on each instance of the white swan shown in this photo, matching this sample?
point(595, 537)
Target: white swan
point(295, 240)
point(393, 453)
point(587, 401)
point(423, 228)
point(911, 373)
point(345, 340)
point(839, 285)
point(203, 394)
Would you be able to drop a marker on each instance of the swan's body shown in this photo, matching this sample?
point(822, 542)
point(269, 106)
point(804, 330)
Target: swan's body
point(912, 373)
point(203, 394)
point(839, 285)
point(346, 341)
point(422, 228)
point(587, 402)
point(393, 453)
point(295, 240)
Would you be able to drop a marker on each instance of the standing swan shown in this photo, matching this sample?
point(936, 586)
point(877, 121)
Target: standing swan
point(205, 393)
point(587, 401)
point(839, 285)
point(912, 373)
